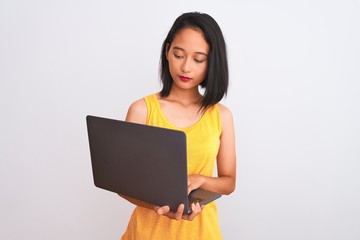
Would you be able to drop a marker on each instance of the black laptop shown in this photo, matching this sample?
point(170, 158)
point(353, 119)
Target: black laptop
point(143, 162)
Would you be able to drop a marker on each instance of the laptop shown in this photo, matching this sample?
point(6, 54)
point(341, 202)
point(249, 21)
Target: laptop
point(143, 162)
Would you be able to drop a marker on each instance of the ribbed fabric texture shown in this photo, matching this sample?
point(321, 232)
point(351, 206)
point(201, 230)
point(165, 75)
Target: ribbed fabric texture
point(203, 141)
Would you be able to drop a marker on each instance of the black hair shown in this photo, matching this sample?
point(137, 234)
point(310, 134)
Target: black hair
point(217, 79)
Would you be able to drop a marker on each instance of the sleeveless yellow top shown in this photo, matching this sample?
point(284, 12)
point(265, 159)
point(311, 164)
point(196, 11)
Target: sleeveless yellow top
point(203, 141)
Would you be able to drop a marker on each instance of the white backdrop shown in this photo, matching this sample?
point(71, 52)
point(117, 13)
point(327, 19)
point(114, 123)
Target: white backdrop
point(294, 93)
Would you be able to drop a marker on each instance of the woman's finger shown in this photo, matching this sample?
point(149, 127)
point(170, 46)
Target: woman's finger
point(162, 210)
point(196, 209)
point(179, 212)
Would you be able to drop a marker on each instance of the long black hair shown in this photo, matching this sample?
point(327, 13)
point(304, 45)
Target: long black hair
point(217, 79)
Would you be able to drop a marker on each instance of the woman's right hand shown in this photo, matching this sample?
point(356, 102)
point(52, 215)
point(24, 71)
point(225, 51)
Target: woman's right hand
point(178, 215)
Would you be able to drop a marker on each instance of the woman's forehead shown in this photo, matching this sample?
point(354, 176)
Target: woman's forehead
point(190, 40)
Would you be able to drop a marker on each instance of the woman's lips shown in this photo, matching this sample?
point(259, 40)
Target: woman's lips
point(184, 79)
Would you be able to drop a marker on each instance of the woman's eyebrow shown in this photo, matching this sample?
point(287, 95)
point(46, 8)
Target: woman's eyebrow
point(179, 48)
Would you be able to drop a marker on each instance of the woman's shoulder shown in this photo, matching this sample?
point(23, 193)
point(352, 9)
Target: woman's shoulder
point(225, 112)
point(138, 105)
point(226, 118)
point(137, 112)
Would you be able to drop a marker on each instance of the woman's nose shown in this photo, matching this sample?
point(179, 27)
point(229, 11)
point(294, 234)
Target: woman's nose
point(185, 67)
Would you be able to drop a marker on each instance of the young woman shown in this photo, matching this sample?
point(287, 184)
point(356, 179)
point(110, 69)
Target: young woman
point(193, 55)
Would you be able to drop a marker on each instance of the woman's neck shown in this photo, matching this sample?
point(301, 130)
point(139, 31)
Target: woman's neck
point(186, 97)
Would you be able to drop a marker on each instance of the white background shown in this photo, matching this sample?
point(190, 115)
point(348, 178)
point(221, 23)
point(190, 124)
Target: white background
point(294, 93)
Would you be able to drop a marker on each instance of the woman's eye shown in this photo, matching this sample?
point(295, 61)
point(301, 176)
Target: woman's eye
point(178, 56)
point(199, 61)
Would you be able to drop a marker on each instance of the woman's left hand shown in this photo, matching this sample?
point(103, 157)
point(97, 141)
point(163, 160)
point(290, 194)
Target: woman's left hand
point(179, 214)
point(194, 182)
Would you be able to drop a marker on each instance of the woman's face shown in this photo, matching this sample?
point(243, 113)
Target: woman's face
point(188, 58)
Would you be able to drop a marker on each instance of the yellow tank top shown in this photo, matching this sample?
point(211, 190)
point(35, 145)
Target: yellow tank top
point(203, 141)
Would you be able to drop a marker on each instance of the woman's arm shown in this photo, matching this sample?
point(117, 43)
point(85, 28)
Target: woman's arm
point(137, 113)
point(226, 160)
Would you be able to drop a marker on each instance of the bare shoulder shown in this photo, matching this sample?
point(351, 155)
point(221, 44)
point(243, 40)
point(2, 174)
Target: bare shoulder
point(225, 114)
point(226, 118)
point(137, 112)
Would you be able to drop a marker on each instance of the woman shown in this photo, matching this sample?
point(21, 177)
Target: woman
point(193, 54)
